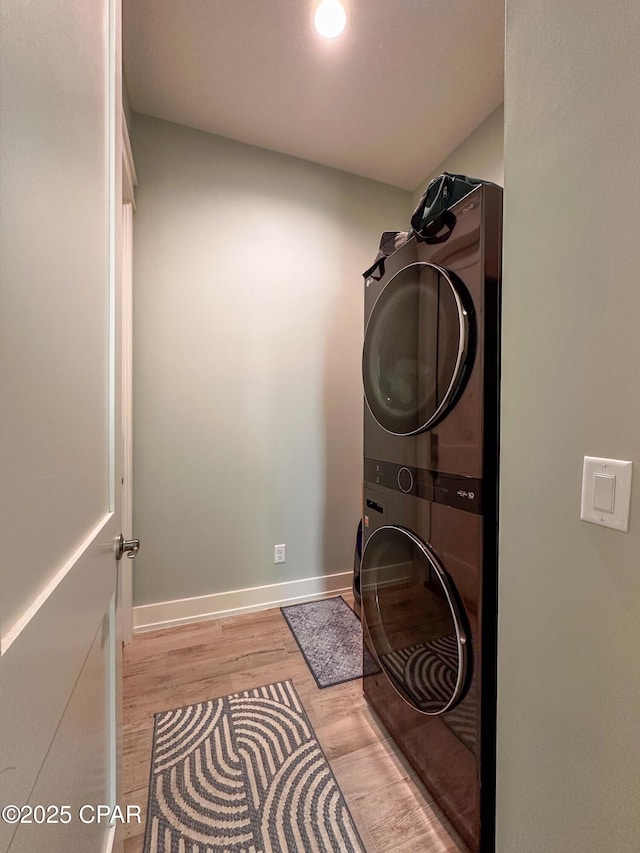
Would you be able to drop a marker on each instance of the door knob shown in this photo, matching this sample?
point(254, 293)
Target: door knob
point(130, 547)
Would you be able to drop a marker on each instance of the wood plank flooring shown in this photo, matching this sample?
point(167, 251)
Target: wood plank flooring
point(175, 667)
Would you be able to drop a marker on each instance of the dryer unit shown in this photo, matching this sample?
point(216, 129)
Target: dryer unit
point(429, 564)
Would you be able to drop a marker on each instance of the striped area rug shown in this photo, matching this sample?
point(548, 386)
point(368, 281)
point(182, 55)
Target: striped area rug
point(244, 774)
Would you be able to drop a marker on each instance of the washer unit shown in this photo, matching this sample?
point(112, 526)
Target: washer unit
point(429, 564)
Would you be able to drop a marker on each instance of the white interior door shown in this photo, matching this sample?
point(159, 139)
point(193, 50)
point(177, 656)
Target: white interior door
point(61, 449)
point(129, 183)
point(125, 592)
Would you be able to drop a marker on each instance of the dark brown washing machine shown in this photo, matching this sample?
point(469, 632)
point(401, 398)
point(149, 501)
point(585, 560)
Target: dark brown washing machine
point(429, 565)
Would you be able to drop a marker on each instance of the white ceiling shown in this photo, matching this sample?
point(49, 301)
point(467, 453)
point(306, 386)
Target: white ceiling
point(399, 90)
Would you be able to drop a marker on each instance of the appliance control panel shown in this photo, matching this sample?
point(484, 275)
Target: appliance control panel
point(449, 489)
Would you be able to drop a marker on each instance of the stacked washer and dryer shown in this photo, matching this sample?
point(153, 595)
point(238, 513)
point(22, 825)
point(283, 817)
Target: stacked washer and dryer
point(428, 577)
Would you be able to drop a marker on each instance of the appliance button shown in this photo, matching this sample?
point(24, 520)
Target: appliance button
point(405, 480)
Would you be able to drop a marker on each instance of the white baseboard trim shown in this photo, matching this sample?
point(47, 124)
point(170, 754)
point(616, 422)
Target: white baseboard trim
point(166, 614)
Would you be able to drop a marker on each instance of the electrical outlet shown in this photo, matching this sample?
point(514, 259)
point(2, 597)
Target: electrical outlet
point(279, 553)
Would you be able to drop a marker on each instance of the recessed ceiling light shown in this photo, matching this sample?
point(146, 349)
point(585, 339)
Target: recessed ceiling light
point(330, 19)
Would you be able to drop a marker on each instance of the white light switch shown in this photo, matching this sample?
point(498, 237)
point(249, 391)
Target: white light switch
point(604, 488)
point(606, 492)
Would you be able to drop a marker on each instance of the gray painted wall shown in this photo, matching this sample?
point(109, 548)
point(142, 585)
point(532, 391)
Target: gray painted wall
point(569, 638)
point(481, 154)
point(247, 343)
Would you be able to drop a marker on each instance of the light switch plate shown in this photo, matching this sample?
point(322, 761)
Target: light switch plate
point(593, 491)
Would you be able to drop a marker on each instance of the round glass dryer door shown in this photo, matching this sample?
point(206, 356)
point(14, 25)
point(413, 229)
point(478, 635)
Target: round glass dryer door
point(416, 349)
point(413, 619)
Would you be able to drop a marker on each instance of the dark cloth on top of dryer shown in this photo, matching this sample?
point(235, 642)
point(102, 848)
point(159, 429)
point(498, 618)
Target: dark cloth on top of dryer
point(390, 241)
point(432, 221)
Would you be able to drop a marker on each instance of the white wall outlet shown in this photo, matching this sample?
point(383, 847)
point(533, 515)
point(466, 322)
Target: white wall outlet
point(606, 492)
point(279, 553)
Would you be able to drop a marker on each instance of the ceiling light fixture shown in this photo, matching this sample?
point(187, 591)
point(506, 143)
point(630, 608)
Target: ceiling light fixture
point(330, 19)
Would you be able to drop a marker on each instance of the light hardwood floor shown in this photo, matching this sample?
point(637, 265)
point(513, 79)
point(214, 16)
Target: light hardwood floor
point(175, 667)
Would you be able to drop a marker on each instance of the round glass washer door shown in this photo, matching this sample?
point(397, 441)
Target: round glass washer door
point(414, 620)
point(416, 349)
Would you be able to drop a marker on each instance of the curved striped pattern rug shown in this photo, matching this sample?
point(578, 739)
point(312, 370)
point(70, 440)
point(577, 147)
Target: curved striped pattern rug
point(244, 774)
